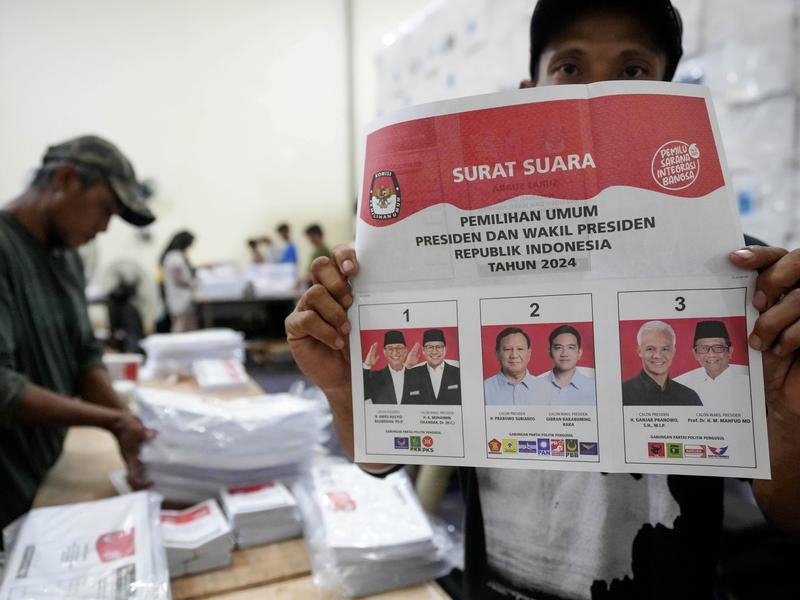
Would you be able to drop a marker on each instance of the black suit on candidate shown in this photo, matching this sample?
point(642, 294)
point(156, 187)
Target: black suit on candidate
point(418, 388)
point(379, 387)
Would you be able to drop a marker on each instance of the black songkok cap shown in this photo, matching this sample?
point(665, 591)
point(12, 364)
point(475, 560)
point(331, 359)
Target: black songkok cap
point(710, 329)
point(393, 337)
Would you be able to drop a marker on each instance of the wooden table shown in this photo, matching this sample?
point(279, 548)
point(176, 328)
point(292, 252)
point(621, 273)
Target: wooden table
point(278, 571)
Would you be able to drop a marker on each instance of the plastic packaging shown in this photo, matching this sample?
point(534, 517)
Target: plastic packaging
point(90, 550)
point(367, 535)
point(174, 353)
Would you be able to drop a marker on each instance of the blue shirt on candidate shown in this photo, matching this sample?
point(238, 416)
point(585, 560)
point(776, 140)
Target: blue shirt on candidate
point(499, 391)
point(580, 391)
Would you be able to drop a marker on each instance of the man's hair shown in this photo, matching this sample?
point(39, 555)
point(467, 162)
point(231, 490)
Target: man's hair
point(507, 332)
point(561, 329)
point(283, 227)
point(662, 19)
point(656, 326)
point(44, 174)
point(314, 230)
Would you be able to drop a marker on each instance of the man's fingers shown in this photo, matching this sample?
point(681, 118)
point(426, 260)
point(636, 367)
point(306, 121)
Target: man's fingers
point(326, 273)
point(308, 323)
point(780, 272)
point(778, 327)
point(345, 257)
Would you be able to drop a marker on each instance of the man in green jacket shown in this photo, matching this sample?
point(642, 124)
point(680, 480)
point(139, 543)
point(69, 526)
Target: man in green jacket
point(48, 354)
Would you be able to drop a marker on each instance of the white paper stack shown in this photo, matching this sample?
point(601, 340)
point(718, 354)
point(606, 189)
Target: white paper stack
point(104, 549)
point(272, 280)
point(367, 535)
point(221, 282)
point(220, 374)
point(205, 443)
point(196, 539)
point(175, 353)
point(261, 514)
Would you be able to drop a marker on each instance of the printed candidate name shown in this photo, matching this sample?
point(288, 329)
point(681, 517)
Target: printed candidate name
point(530, 166)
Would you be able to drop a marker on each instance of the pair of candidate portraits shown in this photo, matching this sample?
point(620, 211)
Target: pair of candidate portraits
point(435, 381)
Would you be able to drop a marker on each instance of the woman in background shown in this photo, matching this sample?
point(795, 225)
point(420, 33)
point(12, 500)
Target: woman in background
point(177, 279)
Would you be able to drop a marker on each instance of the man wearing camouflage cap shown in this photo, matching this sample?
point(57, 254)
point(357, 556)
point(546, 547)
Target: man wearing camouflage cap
point(48, 353)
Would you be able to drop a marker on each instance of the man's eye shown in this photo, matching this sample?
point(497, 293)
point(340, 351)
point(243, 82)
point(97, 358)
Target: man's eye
point(568, 69)
point(634, 72)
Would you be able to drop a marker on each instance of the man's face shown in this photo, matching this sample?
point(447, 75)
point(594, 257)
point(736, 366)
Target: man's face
point(656, 351)
point(601, 47)
point(565, 352)
point(434, 352)
point(514, 355)
point(395, 355)
point(713, 362)
point(80, 212)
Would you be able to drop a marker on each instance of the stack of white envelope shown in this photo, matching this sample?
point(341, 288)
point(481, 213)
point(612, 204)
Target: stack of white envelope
point(221, 282)
point(101, 549)
point(206, 443)
point(196, 539)
point(261, 514)
point(220, 374)
point(175, 353)
point(272, 280)
point(366, 535)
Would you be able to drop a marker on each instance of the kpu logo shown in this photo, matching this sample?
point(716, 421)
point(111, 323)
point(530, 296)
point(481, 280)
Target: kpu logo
point(384, 196)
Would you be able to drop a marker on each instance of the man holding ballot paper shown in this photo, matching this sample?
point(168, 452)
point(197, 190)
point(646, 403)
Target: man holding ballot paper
point(552, 531)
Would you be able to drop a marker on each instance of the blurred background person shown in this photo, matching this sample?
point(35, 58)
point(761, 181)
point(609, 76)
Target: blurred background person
point(177, 282)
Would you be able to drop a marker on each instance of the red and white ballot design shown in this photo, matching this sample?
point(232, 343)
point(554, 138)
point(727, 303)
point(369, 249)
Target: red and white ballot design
point(544, 284)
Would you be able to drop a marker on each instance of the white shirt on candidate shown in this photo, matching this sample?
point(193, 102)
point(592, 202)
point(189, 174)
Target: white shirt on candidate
point(580, 391)
point(499, 391)
point(435, 373)
point(398, 377)
point(729, 391)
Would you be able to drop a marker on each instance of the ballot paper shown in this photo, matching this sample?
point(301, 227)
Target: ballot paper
point(103, 550)
point(366, 534)
point(544, 283)
point(261, 513)
point(175, 353)
point(220, 374)
point(205, 443)
point(197, 539)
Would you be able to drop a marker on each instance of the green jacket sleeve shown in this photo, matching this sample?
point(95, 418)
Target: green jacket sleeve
point(11, 381)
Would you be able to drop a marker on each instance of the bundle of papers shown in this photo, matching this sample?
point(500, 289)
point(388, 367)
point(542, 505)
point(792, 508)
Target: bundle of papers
point(104, 549)
point(367, 535)
point(175, 353)
point(196, 539)
point(219, 283)
point(272, 279)
point(205, 443)
point(217, 374)
point(261, 514)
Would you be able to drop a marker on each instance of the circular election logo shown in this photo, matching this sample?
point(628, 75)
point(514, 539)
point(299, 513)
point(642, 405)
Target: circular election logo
point(676, 165)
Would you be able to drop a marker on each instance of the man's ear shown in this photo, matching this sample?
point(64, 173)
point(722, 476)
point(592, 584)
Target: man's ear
point(526, 83)
point(65, 178)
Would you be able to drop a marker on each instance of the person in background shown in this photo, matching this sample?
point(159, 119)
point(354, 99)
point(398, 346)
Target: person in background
point(550, 534)
point(316, 237)
point(284, 252)
point(178, 282)
point(49, 356)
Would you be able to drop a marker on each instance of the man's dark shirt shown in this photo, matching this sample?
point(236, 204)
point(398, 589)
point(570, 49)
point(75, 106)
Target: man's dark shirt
point(642, 390)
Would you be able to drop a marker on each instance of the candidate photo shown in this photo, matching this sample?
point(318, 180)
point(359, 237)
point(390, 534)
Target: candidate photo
point(565, 383)
point(653, 386)
point(434, 381)
point(720, 384)
point(386, 385)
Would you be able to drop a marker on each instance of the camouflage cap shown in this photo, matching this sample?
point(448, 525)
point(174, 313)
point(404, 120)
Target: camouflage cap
point(95, 152)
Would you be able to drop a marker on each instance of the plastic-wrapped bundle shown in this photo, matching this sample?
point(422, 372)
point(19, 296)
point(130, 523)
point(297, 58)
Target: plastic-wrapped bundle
point(103, 549)
point(205, 443)
point(261, 514)
point(175, 353)
point(366, 535)
point(197, 539)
